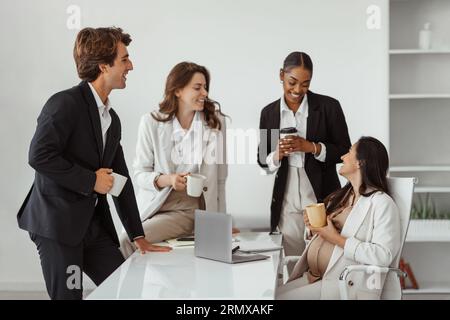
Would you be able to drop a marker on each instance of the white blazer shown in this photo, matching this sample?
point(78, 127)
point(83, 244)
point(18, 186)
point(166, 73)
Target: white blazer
point(373, 237)
point(153, 157)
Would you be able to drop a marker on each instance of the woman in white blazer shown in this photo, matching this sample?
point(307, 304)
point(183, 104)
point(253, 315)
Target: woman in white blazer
point(186, 135)
point(363, 227)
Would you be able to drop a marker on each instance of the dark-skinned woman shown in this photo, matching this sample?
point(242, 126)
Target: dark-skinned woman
point(304, 162)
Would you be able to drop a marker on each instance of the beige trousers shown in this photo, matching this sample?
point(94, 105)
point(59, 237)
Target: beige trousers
point(298, 195)
point(174, 219)
point(299, 289)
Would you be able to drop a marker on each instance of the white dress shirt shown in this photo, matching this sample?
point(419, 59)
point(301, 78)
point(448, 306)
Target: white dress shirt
point(154, 154)
point(299, 121)
point(103, 110)
point(187, 152)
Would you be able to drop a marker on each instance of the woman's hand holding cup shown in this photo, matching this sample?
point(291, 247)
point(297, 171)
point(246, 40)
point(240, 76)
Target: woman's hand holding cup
point(306, 221)
point(281, 150)
point(178, 181)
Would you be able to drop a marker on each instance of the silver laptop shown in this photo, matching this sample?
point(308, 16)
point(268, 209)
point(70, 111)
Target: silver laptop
point(213, 238)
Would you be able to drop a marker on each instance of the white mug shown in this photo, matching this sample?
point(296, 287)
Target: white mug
point(195, 184)
point(118, 184)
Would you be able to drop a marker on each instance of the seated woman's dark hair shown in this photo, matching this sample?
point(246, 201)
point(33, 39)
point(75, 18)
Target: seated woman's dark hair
point(374, 164)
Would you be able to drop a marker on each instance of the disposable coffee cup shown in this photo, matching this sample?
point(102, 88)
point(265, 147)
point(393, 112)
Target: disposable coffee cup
point(195, 184)
point(291, 131)
point(118, 184)
point(317, 215)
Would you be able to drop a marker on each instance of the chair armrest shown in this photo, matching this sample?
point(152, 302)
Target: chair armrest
point(283, 270)
point(289, 259)
point(370, 269)
point(343, 284)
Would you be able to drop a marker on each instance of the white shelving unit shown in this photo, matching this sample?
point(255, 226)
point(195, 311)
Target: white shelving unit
point(419, 100)
point(432, 189)
point(428, 231)
point(418, 51)
point(420, 96)
point(430, 288)
point(419, 169)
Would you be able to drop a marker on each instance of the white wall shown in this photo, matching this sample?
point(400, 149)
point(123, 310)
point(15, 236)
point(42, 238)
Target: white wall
point(243, 45)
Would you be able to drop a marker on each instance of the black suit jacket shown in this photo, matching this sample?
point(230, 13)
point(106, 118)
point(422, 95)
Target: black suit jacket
point(326, 124)
point(66, 150)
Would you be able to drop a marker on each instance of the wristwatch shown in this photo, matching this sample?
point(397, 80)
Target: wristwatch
point(156, 179)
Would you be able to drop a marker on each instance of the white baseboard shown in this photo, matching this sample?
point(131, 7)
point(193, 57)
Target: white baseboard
point(22, 286)
point(36, 286)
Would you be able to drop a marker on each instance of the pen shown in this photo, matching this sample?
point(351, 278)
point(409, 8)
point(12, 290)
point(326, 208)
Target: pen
point(234, 249)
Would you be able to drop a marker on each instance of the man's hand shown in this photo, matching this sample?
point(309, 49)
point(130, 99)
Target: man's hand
point(145, 246)
point(104, 180)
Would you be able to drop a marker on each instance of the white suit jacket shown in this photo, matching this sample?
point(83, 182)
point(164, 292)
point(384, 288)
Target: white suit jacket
point(373, 237)
point(153, 154)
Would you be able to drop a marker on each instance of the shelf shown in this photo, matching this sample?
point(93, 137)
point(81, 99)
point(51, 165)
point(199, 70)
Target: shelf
point(420, 96)
point(430, 288)
point(418, 51)
point(432, 190)
point(419, 169)
point(428, 231)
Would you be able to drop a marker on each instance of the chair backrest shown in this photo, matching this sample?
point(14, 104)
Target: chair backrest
point(402, 190)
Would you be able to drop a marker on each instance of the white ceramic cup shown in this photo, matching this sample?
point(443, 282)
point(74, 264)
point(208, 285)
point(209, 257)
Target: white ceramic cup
point(118, 184)
point(195, 184)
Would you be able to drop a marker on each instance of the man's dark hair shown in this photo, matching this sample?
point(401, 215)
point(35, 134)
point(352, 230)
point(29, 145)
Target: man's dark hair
point(94, 46)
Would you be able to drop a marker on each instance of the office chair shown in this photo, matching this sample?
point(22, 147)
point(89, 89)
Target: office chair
point(402, 192)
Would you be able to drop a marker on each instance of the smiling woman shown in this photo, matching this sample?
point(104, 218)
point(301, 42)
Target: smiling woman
point(305, 162)
point(363, 227)
point(174, 142)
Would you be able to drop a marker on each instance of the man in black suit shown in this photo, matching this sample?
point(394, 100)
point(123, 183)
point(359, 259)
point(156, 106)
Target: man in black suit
point(74, 150)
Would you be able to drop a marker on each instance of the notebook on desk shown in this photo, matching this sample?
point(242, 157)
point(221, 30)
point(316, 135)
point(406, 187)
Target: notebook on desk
point(259, 246)
point(181, 242)
point(184, 242)
point(213, 239)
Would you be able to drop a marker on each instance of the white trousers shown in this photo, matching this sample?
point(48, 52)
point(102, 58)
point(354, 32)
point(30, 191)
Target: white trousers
point(299, 194)
point(174, 219)
point(299, 289)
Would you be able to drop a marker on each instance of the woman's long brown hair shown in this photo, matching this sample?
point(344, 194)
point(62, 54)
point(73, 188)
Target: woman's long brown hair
point(178, 78)
point(374, 163)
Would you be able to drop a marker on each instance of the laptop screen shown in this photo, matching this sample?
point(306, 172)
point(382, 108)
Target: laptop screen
point(213, 238)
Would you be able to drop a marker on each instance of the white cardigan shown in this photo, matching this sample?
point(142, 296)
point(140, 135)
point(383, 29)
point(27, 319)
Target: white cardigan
point(373, 236)
point(153, 154)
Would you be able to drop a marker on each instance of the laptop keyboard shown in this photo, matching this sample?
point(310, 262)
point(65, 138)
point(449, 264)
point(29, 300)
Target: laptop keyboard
point(236, 257)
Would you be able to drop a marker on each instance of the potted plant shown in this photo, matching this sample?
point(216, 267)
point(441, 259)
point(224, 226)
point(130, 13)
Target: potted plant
point(428, 223)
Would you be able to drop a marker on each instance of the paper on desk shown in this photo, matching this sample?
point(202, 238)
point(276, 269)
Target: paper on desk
point(258, 246)
point(176, 243)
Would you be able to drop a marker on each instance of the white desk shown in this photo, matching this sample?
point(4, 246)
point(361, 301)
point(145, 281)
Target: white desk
point(180, 275)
